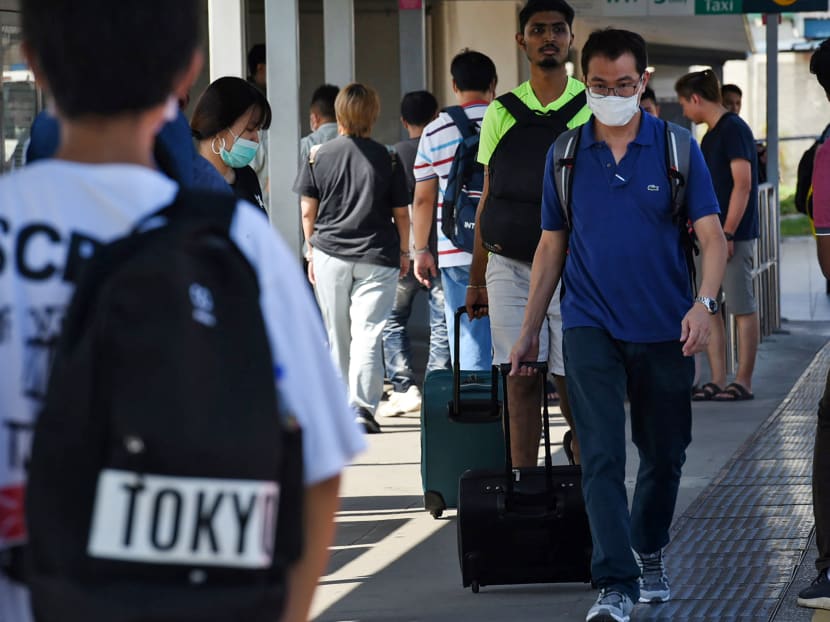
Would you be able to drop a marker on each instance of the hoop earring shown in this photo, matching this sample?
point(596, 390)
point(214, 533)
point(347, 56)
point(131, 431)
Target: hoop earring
point(213, 145)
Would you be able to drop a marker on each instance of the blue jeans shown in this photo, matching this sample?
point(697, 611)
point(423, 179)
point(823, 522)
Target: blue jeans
point(397, 353)
point(600, 370)
point(476, 345)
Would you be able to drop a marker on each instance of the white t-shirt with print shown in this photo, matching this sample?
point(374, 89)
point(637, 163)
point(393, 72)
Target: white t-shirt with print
point(436, 151)
point(48, 211)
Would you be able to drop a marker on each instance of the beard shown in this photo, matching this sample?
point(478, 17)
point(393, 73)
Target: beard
point(548, 62)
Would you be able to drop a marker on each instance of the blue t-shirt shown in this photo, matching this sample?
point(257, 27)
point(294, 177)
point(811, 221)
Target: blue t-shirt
point(626, 272)
point(731, 139)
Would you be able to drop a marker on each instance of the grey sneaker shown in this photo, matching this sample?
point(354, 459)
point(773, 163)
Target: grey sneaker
point(817, 595)
point(654, 584)
point(611, 606)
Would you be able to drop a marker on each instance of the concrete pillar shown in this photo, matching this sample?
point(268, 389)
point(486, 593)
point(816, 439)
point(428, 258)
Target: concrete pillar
point(226, 37)
point(282, 37)
point(412, 46)
point(338, 40)
point(487, 26)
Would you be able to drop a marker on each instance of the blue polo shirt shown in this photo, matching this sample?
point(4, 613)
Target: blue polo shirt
point(626, 272)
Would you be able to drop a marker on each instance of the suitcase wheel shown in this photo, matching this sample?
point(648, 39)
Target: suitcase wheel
point(434, 503)
point(474, 586)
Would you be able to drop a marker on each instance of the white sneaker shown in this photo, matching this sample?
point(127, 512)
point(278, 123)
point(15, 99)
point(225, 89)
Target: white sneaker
point(400, 403)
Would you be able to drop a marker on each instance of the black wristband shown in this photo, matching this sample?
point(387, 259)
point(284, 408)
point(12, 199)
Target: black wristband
point(729, 236)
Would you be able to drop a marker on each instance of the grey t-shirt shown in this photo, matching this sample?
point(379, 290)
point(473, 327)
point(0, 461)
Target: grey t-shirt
point(407, 150)
point(357, 186)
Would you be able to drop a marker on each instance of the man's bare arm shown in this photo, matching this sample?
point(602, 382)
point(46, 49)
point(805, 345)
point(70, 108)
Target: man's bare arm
point(320, 505)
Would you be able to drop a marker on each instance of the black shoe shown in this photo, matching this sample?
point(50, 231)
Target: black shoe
point(367, 420)
point(817, 596)
point(566, 445)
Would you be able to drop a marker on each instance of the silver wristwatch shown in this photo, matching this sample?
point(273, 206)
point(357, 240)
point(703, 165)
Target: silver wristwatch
point(710, 303)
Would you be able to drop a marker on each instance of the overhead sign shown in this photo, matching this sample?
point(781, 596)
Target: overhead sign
point(718, 7)
point(644, 8)
point(783, 6)
point(658, 8)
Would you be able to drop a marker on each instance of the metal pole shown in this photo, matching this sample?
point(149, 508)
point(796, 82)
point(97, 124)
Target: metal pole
point(772, 149)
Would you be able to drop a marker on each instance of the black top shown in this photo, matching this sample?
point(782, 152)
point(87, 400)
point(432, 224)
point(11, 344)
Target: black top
point(357, 186)
point(246, 186)
point(731, 139)
point(407, 150)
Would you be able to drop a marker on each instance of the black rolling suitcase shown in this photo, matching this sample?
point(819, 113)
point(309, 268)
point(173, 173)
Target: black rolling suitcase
point(523, 525)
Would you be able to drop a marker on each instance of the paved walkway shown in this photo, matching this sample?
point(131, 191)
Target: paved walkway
point(743, 525)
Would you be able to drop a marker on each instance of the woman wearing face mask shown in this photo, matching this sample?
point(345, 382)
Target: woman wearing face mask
point(226, 124)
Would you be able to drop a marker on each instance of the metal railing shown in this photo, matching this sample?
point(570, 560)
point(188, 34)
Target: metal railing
point(766, 275)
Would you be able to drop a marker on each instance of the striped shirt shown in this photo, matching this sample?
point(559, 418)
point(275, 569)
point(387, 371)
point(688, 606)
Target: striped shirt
point(434, 159)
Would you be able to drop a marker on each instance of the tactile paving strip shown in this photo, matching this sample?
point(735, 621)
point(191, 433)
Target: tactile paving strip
point(733, 551)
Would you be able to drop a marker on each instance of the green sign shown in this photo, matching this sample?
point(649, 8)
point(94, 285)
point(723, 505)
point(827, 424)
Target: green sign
point(783, 6)
point(719, 7)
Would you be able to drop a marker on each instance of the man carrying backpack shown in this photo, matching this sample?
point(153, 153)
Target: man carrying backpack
point(128, 541)
point(474, 81)
point(630, 323)
point(517, 132)
point(817, 595)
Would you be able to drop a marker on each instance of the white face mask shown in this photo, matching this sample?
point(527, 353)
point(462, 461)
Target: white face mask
point(613, 110)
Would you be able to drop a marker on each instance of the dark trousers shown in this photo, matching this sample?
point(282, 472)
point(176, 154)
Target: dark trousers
point(657, 378)
point(821, 479)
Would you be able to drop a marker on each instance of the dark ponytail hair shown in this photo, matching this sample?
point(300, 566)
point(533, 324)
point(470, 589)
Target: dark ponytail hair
point(702, 83)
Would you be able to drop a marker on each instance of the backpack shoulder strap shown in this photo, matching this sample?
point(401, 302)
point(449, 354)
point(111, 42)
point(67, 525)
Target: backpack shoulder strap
point(214, 208)
point(460, 120)
point(572, 108)
point(564, 157)
point(516, 107)
point(678, 144)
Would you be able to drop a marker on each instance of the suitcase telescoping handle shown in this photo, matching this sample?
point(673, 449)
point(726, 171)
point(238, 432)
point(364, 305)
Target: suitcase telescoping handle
point(542, 370)
point(471, 410)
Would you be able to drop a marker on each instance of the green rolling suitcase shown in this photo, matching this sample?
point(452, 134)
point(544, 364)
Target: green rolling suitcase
point(460, 428)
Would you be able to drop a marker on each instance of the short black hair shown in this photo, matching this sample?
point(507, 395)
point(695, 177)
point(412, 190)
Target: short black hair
point(731, 88)
point(473, 71)
point(418, 108)
point(223, 102)
point(613, 43)
point(105, 58)
point(538, 6)
point(322, 100)
point(820, 65)
point(256, 55)
point(648, 93)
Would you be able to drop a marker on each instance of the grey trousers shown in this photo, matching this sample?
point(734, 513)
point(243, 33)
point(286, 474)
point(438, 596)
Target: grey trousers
point(355, 299)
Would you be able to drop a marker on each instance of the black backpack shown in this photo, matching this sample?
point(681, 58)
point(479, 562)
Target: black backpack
point(804, 176)
point(165, 483)
point(464, 184)
point(511, 221)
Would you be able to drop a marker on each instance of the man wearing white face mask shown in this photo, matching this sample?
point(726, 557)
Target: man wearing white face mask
point(631, 324)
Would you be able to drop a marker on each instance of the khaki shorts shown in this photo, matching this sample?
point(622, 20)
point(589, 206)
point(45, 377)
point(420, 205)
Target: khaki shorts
point(508, 284)
point(737, 287)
